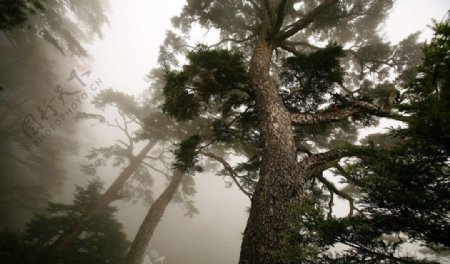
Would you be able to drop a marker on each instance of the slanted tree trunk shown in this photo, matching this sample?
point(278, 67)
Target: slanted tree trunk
point(151, 220)
point(109, 196)
point(279, 187)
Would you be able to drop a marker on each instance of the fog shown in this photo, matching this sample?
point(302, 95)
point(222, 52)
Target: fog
point(122, 59)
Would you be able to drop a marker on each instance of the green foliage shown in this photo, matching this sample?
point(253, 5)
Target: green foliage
point(212, 81)
point(404, 190)
point(179, 103)
point(428, 96)
point(186, 155)
point(365, 237)
point(103, 240)
point(397, 188)
point(309, 77)
point(407, 191)
point(409, 187)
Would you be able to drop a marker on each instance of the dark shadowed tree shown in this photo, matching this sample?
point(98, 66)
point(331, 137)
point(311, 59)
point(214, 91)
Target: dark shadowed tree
point(103, 240)
point(287, 86)
point(403, 191)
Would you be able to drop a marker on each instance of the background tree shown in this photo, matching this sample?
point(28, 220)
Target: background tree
point(31, 70)
point(103, 240)
point(304, 76)
point(136, 155)
point(135, 180)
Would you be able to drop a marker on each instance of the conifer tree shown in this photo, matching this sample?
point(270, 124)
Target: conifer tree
point(287, 86)
point(103, 240)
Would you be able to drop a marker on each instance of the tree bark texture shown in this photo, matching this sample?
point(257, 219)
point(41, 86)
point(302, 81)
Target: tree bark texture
point(280, 187)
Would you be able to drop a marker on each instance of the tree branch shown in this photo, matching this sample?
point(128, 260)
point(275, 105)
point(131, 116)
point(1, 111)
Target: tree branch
point(333, 189)
point(338, 114)
point(326, 160)
point(156, 169)
point(230, 170)
point(305, 21)
point(270, 12)
point(280, 18)
point(232, 40)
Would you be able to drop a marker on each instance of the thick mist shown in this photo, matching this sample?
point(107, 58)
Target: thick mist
point(79, 103)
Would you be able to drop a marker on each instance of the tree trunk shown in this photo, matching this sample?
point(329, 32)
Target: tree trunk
point(109, 196)
point(279, 187)
point(151, 220)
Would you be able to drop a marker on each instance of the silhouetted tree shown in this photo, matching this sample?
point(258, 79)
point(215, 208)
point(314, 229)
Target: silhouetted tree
point(403, 191)
point(103, 240)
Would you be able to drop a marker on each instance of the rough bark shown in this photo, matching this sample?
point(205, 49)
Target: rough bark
point(279, 187)
point(339, 114)
point(151, 220)
point(109, 196)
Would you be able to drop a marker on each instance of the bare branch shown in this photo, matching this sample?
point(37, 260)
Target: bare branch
point(123, 143)
point(155, 169)
point(230, 170)
point(333, 189)
point(232, 40)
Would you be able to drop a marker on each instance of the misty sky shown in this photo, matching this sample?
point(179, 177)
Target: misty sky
point(125, 56)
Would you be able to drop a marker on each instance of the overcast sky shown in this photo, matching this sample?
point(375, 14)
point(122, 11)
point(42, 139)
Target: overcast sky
point(125, 56)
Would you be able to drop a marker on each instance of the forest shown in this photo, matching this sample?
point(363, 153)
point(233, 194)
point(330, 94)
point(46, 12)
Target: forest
point(232, 131)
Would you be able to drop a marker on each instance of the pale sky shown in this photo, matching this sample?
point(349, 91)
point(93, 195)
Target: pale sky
point(131, 44)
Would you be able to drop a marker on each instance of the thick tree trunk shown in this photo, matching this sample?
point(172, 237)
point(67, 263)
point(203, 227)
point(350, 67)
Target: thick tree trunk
point(151, 220)
point(279, 187)
point(109, 196)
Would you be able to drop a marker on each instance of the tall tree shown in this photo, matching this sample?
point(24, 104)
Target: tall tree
point(180, 179)
point(302, 77)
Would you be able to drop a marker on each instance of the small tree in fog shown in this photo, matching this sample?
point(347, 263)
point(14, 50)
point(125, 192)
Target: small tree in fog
point(102, 240)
